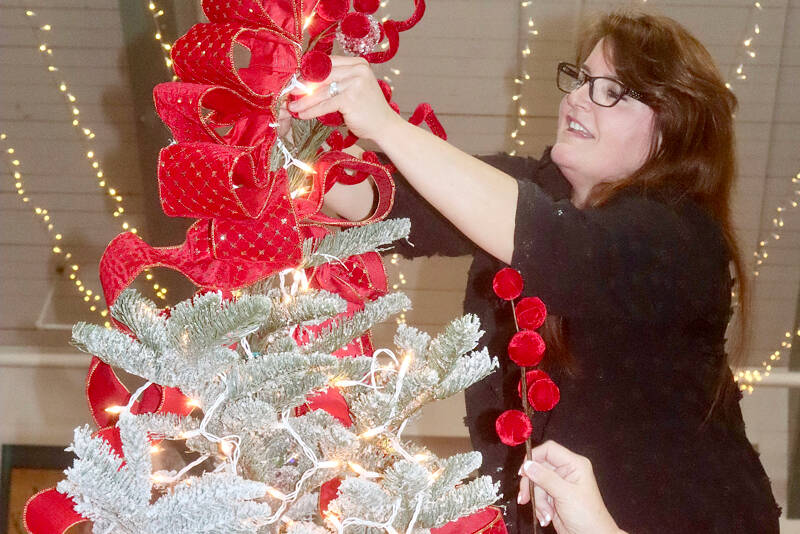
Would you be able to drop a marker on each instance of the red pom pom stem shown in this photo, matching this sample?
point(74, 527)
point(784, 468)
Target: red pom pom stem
point(366, 6)
point(355, 25)
point(333, 10)
point(531, 313)
point(507, 283)
point(315, 66)
point(513, 427)
point(526, 348)
point(543, 395)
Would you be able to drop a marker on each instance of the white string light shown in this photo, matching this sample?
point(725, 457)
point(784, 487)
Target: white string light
point(748, 51)
point(89, 296)
point(86, 134)
point(523, 77)
point(156, 13)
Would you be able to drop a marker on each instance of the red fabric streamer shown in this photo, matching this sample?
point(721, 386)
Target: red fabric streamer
point(507, 283)
point(531, 313)
point(543, 395)
point(513, 427)
point(50, 512)
point(328, 492)
point(328, 400)
point(526, 348)
point(486, 521)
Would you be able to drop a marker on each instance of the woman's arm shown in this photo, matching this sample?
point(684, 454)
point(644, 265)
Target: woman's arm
point(477, 198)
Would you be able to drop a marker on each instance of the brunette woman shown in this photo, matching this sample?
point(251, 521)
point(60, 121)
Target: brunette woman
point(624, 229)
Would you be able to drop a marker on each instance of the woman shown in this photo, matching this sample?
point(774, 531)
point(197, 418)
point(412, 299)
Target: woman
point(623, 228)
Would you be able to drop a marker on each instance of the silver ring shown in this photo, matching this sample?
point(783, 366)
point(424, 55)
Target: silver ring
point(333, 89)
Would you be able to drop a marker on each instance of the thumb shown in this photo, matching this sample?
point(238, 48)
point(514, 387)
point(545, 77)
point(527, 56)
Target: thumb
point(548, 480)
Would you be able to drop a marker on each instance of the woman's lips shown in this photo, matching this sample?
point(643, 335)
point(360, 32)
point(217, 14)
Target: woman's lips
point(575, 127)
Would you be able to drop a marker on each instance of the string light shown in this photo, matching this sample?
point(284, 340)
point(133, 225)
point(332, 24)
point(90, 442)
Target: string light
point(748, 50)
point(156, 13)
point(523, 76)
point(87, 135)
point(89, 296)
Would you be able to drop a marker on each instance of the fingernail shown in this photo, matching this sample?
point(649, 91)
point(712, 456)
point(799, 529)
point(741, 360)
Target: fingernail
point(546, 519)
point(519, 499)
point(527, 465)
point(542, 522)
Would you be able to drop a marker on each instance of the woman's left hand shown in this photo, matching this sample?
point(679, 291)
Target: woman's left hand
point(352, 90)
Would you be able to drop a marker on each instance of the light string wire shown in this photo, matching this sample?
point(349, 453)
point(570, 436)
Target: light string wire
point(89, 295)
point(40, 31)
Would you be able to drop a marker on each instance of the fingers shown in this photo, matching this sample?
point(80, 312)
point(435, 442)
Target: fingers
point(329, 105)
point(338, 61)
point(554, 454)
point(547, 479)
point(544, 503)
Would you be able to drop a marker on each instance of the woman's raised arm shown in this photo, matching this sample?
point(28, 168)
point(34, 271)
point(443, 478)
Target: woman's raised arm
point(477, 198)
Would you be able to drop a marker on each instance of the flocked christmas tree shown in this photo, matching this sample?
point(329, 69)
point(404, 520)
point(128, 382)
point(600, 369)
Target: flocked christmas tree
point(291, 421)
point(239, 360)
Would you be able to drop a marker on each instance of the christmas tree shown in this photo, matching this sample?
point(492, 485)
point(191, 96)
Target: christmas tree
point(290, 419)
point(239, 360)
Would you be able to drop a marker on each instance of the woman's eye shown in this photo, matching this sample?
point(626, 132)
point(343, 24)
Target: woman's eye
point(612, 93)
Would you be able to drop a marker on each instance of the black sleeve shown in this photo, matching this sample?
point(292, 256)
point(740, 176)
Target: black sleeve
point(634, 257)
point(431, 233)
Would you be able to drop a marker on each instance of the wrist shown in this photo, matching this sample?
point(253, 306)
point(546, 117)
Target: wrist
point(391, 130)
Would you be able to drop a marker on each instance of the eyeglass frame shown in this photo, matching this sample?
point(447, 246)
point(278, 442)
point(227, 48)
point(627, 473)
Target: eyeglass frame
point(587, 78)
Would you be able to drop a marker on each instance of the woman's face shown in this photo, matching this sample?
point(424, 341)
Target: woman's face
point(598, 144)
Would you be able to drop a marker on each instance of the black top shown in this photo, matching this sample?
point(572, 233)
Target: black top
point(643, 286)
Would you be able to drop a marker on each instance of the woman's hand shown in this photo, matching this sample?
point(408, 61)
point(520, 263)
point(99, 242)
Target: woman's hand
point(566, 491)
point(357, 96)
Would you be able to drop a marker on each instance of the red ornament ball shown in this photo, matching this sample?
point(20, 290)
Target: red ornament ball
point(315, 66)
point(333, 10)
point(526, 348)
point(531, 377)
point(355, 25)
point(531, 313)
point(366, 6)
point(507, 283)
point(543, 395)
point(513, 427)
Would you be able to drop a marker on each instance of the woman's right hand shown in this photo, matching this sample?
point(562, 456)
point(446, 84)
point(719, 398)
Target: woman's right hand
point(566, 491)
point(358, 98)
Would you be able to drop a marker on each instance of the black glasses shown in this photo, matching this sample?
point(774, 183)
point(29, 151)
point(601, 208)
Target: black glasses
point(608, 90)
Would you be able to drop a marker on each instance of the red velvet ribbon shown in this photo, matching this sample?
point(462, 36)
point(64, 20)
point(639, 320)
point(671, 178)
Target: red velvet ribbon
point(50, 512)
point(285, 16)
point(273, 58)
point(486, 521)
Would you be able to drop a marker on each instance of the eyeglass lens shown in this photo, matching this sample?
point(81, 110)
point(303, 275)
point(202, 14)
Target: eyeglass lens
point(602, 91)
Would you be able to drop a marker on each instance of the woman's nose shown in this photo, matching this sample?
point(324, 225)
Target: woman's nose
point(580, 97)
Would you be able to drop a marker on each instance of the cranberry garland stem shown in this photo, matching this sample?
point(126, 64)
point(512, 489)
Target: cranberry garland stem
point(526, 407)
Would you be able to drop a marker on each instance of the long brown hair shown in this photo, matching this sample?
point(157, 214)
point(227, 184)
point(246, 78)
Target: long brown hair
point(693, 148)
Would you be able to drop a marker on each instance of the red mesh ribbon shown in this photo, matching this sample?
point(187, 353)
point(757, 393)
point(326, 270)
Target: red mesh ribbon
point(194, 112)
point(486, 521)
point(392, 29)
point(334, 166)
point(284, 16)
point(205, 56)
point(50, 512)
